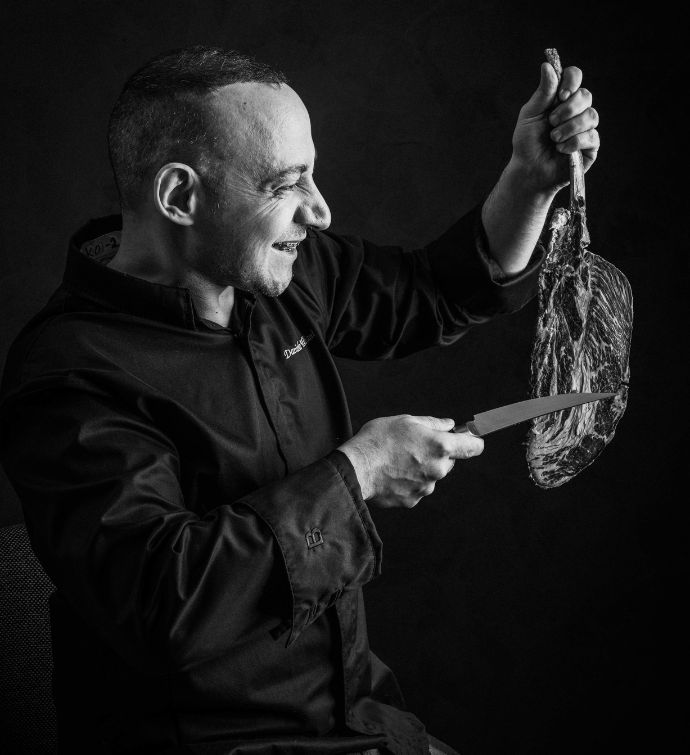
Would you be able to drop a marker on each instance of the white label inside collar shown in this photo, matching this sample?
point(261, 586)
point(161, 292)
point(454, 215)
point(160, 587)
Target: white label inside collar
point(103, 248)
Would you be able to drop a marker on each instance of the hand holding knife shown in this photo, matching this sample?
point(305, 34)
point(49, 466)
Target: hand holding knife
point(398, 460)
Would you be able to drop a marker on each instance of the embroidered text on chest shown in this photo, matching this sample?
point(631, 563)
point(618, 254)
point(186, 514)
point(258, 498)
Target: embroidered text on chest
point(301, 344)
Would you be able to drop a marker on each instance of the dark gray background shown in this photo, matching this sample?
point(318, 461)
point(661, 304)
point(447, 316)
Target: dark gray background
point(518, 620)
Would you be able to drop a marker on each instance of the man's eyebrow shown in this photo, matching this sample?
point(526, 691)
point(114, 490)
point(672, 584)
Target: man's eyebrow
point(283, 172)
point(287, 171)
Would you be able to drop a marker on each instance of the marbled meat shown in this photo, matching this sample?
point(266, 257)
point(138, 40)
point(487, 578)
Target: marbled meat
point(582, 344)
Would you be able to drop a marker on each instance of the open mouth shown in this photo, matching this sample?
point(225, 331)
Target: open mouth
point(286, 246)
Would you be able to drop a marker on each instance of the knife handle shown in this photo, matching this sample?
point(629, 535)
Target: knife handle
point(467, 427)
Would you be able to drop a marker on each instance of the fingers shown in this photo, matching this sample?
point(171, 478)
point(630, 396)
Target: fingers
point(590, 155)
point(586, 142)
point(465, 446)
point(575, 126)
point(583, 125)
point(413, 497)
point(570, 82)
point(453, 446)
point(587, 120)
point(434, 423)
point(448, 444)
point(449, 448)
point(438, 469)
point(424, 488)
point(578, 103)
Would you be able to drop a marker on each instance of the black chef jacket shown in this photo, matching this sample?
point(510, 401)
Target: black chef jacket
point(181, 489)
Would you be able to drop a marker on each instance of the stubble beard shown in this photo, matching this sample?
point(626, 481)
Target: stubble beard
point(243, 273)
point(225, 267)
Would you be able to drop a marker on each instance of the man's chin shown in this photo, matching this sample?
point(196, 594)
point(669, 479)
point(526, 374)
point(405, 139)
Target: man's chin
point(274, 287)
point(256, 284)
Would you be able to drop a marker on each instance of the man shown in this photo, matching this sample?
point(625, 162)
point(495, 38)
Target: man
point(175, 426)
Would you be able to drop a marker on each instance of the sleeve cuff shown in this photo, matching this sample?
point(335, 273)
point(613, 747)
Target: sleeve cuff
point(345, 469)
point(324, 532)
point(468, 277)
point(495, 271)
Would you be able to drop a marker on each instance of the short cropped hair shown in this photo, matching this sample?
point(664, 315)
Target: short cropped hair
point(160, 115)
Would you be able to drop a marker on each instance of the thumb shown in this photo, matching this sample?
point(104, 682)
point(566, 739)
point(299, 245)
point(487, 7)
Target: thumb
point(543, 97)
point(434, 423)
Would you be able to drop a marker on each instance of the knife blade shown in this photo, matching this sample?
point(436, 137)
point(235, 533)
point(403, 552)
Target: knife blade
point(511, 414)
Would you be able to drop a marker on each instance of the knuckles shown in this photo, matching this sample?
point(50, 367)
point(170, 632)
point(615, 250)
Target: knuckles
point(587, 140)
point(584, 94)
point(419, 492)
point(578, 104)
point(430, 472)
point(572, 75)
point(443, 448)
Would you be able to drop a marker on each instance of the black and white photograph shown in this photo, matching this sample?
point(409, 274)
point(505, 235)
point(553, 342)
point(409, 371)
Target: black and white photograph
point(344, 401)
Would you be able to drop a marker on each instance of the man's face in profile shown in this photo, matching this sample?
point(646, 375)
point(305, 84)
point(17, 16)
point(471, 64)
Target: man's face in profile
point(262, 194)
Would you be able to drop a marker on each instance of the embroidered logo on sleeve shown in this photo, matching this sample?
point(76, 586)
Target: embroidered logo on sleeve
point(314, 537)
point(301, 344)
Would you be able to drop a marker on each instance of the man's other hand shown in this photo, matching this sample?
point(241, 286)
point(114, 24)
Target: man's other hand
point(557, 120)
point(399, 460)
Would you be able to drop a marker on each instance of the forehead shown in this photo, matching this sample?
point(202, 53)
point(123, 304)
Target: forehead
point(263, 127)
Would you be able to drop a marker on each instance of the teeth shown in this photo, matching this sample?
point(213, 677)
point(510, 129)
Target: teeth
point(286, 246)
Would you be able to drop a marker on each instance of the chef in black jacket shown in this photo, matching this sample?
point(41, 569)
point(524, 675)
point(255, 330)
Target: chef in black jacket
point(176, 429)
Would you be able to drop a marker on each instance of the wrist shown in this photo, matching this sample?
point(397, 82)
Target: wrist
point(358, 459)
point(513, 217)
point(525, 185)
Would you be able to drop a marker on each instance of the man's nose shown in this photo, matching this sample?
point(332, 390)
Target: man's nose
point(313, 211)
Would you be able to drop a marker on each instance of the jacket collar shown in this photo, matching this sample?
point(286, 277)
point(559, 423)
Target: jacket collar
point(87, 275)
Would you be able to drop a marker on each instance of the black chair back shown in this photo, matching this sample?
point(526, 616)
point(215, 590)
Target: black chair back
point(27, 713)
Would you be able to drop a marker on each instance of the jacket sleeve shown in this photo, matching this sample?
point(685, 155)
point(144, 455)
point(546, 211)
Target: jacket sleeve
point(381, 302)
point(100, 489)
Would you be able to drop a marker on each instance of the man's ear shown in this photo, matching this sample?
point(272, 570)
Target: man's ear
point(176, 193)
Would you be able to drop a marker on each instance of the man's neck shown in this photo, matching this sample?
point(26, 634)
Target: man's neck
point(212, 303)
point(145, 255)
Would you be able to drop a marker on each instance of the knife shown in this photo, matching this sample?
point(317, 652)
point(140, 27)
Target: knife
point(511, 414)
